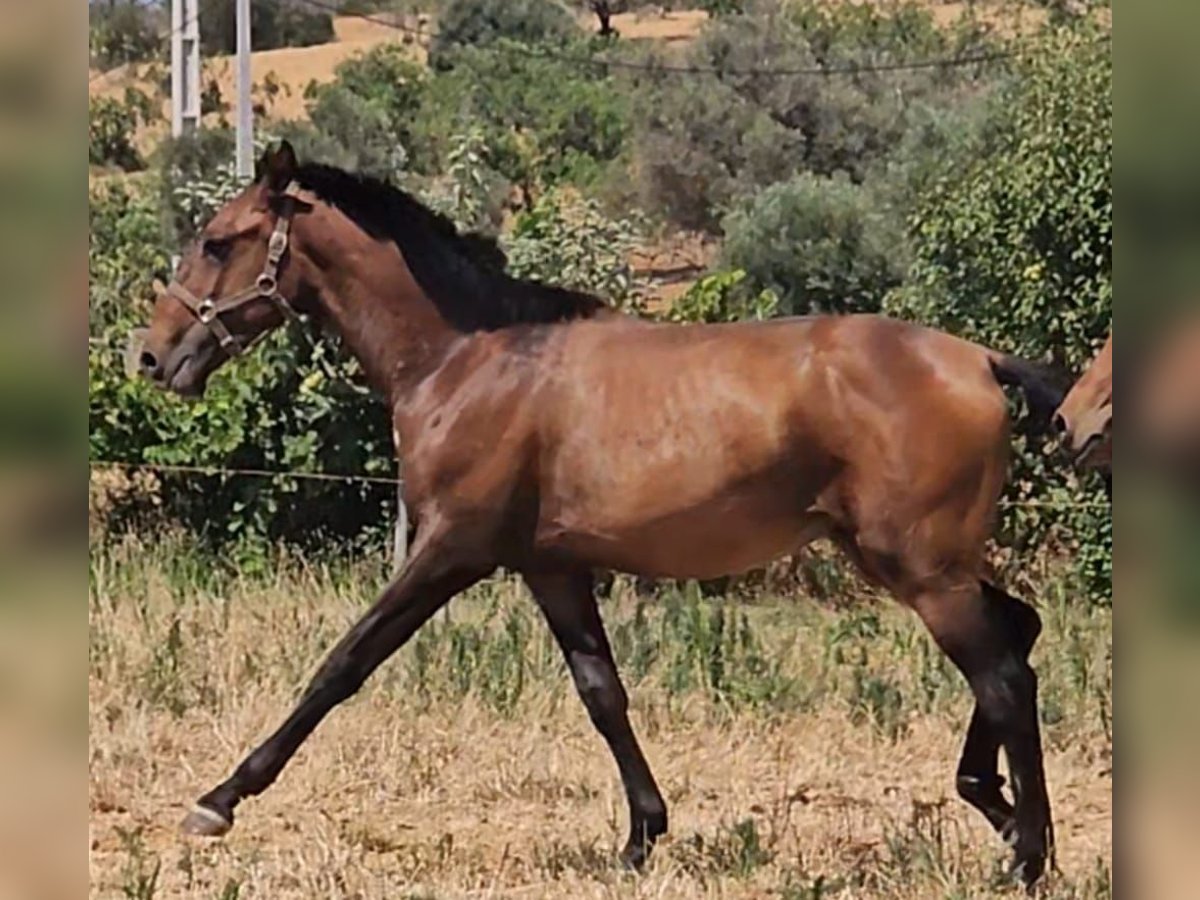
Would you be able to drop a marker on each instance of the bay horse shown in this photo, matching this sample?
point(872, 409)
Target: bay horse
point(542, 431)
point(1085, 415)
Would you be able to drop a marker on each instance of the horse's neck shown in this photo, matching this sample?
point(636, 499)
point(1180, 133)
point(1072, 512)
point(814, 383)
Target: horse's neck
point(383, 316)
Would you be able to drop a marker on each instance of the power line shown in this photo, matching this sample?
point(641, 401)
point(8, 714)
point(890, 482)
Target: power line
point(541, 52)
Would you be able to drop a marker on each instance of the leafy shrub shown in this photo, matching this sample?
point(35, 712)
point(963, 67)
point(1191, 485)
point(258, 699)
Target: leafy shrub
point(818, 243)
point(196, 157)
point(370, 109)
point(112, 125)
point(478, 23)
point(697, 145)
point(123, 32)
point(1014, 241)
point(705, 139)
point(724, 297)
point(273, 23)
point(544, 121)
point(125, 254)
point(565, 239)
point(471, 192)
point(1013, 248)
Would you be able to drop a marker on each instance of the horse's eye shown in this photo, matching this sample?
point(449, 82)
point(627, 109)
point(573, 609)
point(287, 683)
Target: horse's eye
point(216, 248)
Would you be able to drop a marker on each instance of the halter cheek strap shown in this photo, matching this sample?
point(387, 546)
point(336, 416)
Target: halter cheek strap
point(208, 311)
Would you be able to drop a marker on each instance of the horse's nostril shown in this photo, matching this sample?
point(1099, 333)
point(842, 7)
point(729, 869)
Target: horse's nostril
point(1059, 424)
point(149, 363)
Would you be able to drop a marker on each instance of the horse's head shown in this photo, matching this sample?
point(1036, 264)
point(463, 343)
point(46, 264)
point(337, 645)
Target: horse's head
point(231, 287)
point(1085, 416)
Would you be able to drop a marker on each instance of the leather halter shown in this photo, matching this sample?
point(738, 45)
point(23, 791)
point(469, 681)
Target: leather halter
point(266, 287)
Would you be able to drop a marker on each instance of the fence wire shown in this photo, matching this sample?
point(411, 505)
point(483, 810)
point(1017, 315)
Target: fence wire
point(357, 478)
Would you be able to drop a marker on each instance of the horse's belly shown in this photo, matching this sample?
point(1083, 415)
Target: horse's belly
point(728, 533)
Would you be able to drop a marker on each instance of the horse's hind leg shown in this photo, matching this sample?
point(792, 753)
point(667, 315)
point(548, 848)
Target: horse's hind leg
point(978, 781)
point(976, 629)
point(567, 602)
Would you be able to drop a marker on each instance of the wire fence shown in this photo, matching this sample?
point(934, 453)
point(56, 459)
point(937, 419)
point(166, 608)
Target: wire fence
point(356, 478)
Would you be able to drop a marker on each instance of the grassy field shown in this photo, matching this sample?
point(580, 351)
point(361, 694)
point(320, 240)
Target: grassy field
point(805, 751)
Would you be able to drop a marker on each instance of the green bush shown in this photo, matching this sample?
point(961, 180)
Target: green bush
point(125, 254)
point(1013, 248)
point(544, 121)
point(818, 243)
point(1013, 242)
point(566, 240)
point(201, 156)
point(124, 32)
point(724, 297)
point(112, 125)
point(697, 145)
point(370, 110)
point(478, 23)
point(702, 140)
point(273, 23)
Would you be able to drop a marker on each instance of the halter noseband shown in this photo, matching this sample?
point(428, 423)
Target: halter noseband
point(266, 287)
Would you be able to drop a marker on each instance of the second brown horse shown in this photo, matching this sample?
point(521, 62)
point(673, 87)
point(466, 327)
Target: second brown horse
point(543, 432)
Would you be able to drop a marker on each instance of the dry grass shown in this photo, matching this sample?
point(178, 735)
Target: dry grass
point(804, 752)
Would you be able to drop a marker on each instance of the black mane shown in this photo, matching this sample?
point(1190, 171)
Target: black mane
point(463, 274)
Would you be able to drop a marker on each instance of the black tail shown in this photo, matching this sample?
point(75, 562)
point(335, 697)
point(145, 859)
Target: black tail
point(1044, 389)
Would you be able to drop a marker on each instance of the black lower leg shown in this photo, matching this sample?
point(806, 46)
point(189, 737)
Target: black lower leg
point(408, 602)
point(988, 635)
point(1007, 697)
point(979, 781)
point(570, 609)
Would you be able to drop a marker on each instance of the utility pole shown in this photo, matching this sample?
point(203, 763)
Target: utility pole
point(245, 113)
point(185, 66)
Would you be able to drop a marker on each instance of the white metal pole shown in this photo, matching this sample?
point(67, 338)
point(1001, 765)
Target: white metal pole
point(245, 113)
point(176, 67)
point(185, 66)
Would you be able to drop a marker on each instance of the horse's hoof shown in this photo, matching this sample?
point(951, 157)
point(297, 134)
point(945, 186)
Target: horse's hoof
point(1027, 871)
point(633, 857)
point(205, 822)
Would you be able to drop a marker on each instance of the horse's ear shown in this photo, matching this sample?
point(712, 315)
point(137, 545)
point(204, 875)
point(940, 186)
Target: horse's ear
point(277, 167)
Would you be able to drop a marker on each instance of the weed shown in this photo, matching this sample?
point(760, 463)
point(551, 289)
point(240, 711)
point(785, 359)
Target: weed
point(139, 875)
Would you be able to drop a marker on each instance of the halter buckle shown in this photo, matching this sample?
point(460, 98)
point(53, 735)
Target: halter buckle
point(206, 310)
point(266, 284)
point(277, 245)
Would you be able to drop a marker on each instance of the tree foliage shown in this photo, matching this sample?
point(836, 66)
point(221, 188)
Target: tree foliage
point(544, 120)
point(705, 139)
point(1013, 248)
point(124, 32)
point(273, 23)
point(370, 109)
point(480, 23)
point(1014, 241)
point(818, 244)
point(112, 126)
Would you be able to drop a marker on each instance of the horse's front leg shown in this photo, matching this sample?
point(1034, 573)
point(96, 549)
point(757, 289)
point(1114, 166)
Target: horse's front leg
point(566, 600)
point(436, 572)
